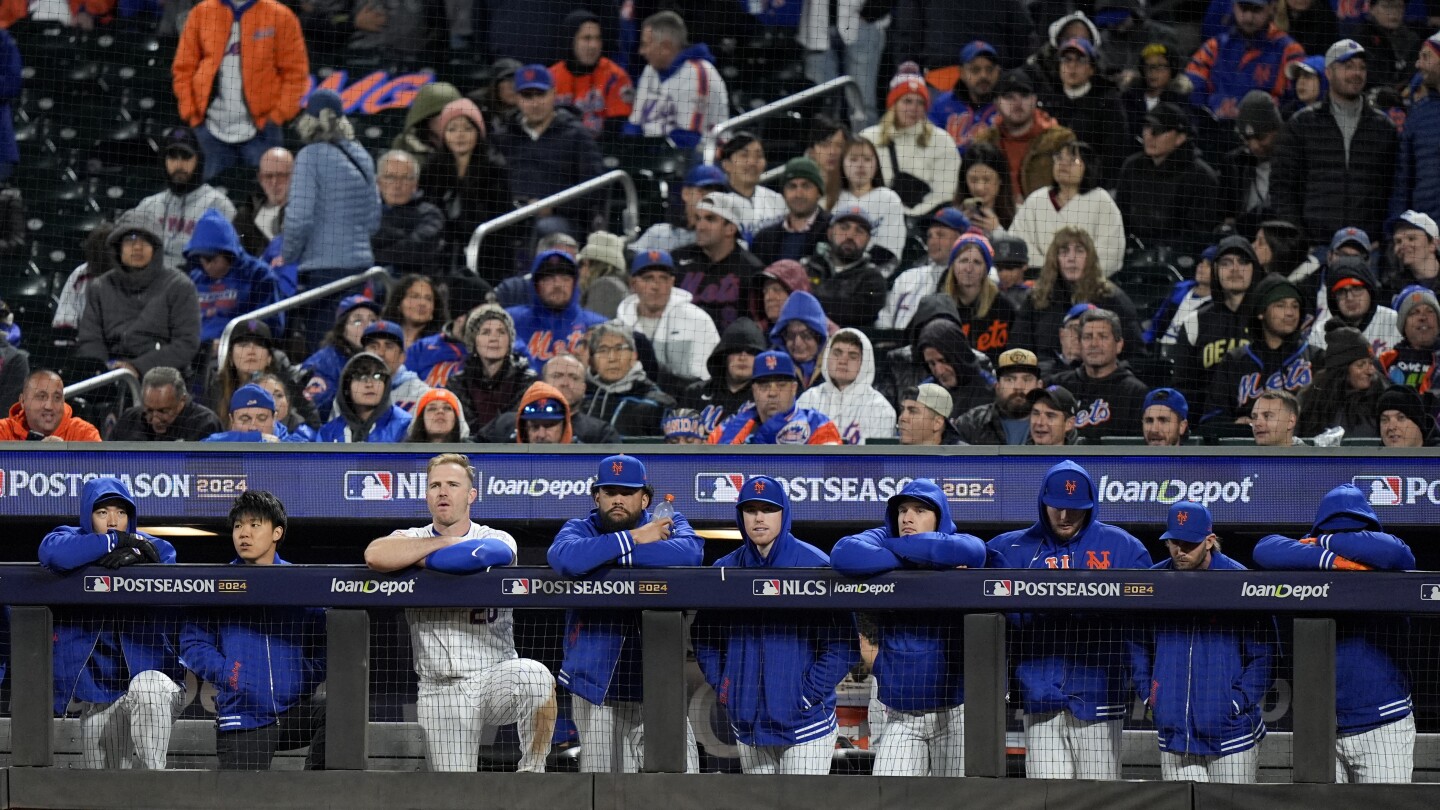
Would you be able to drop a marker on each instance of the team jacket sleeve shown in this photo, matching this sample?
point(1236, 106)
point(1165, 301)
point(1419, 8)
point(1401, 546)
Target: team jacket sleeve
point(576, 551)
point(67, 548)
point(683, 548)
point(710, 636)
point(862, 554)
point(939, 549)
point(836, 652)
point(200, 651)
point(1283, 553)
point(470, 556)
point(1142, 659)
point(1375, 549)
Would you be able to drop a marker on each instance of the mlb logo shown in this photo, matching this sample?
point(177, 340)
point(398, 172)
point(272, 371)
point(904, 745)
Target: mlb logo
point(369, 485)
point(97, 584)
point(765, 587)
point(1381, 490)
point(718, 487)
point(515, 587)
point(1430, 592)
point(998, 587)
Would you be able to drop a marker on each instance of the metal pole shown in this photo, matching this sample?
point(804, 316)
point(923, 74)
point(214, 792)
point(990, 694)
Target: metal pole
point(32, 687)
point(631, 215)
point(663, 636)
point(290, 303)
point(1314, 737)
point(347, 689)
point(985, 686)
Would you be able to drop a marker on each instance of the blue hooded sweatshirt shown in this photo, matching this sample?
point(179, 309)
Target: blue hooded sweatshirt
point(1371, 685)
point(920, 663)
point(1209, 676)
point(263, 661)
point(602, 647)
point(805, 308)
point(775, 672)
point(248, 286)
point(541, 332)
point(98, 651)
point(1055, 672)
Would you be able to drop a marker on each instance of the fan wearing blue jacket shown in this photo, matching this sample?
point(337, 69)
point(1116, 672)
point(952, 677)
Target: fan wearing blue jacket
point(230, 281)
point(553, 322)
point(121, 666)
point(920, 660)
point(264, 662)
point(602, 667)
point(775, 672)
point(1073, 671)
point(1375, 730)
point(1208, 673)
point(363, 404)
point(252, 419)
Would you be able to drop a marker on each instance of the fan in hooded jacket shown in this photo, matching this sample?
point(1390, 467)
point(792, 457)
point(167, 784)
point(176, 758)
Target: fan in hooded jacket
point(602, 664)
point(365, 415)
point(1208, 672)
point(122, 666)
point(920, 660)
point(775, 672)
point(1074, 695)
point(1374, 726)
point(848, 396)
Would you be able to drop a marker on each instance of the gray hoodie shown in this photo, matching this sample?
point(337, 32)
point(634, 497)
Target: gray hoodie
point(175, 216)
point(149, 317)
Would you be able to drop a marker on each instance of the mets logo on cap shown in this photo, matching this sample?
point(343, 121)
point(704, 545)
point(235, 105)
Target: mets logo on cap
point(770, 362)
point(1070, 487)
point(653, 255)
point(1182, 517)
point(617, 467)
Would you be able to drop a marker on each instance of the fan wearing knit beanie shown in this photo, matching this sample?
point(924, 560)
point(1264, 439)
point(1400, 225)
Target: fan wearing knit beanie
point(1347, 389)
point(495, 375)
point(1413, 361)
point(1404, 422)
point(921, 149)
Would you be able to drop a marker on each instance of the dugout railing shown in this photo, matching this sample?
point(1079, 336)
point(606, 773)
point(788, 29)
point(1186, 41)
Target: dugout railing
point(665, 595)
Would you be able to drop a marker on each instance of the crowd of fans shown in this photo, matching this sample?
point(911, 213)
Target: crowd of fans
point(976, 227)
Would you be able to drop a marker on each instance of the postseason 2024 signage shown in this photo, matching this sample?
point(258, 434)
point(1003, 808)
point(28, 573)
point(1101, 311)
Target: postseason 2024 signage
point(981, 485)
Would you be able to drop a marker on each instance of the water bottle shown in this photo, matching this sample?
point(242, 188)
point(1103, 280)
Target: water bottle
point(666, 509)
point(1330, 438)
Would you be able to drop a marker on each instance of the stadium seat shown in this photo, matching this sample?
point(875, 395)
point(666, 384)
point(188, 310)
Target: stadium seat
point(1361, 441)
point(1122, 441)
point(1147, 278)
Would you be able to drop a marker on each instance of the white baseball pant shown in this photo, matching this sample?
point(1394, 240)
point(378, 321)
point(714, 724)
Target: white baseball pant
point(1240, 768)
point(621, 724)
point(452, 713)
point(1058, 745)
point(134, 730)
point(1385, 754)
point(922, 743)
point(812, 757)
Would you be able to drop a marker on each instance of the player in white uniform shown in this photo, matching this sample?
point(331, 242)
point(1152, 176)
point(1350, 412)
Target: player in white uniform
point(470, 674)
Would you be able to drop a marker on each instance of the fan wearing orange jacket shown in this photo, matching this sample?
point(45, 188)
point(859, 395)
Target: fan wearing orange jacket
point(239, 75)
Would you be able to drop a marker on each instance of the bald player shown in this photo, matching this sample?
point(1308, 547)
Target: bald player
point(470, 674)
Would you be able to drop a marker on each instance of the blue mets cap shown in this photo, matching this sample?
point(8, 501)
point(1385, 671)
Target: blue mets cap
point(765, 489)
point(773, 364)
point(251, 395)
point(706, 176)
point(621, 471)
point(1170, 398)
point(383, 329)
point(1068, 491)
point(534, 77)
point(1188, 523)
point(353, 302)
point(650, 259)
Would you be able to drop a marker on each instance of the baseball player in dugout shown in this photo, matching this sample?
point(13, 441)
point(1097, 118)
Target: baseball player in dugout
point(920, 662)
point(775, 672)
point(1375, 727)
point(1208, 672)
point(1074, 694)
point(265, 663)
point(470, 675)
point(120, 665)
point(602, 666)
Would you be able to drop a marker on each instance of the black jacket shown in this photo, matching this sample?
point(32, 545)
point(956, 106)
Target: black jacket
point(853, 296)
point(713, 398)
point(1218, 330)
point(1249, 369)
point(1311, 183)
point(1112, 406)
point(194, 422)
point(251, 238)
point(1133, 100)
point(1176, 204)
point(774, 243)
point(482, 194)
point(716, 287)
point(483, 398)
point(634, 408)
point(1238, 169)
point(1039, 329)
point(982, 424)
point(1098, 119)
point(410, 238)
point(565, 155)
point(584, 430)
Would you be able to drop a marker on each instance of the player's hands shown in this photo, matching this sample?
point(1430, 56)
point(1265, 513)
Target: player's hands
point(143, 545)
point(130, 549)
point(121, 557)
point(653, 532)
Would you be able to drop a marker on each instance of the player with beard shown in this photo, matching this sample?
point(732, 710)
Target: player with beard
point(1007, 419)
point(602, 665)
point(186, 199)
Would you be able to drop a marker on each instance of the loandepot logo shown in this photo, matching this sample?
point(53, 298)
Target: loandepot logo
point(384, 588)
point(1283, 591)
point(1175, 490)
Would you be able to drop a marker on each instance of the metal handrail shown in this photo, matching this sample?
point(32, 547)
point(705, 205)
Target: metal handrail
point(120, 375)
point(631, 217)
point(292, 302)
point(710, 146)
